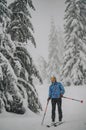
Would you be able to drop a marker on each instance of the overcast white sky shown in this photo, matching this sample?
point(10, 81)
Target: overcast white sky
point(41, 20)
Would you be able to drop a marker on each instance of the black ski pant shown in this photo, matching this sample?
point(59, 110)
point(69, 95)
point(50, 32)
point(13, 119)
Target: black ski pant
point(57, 101)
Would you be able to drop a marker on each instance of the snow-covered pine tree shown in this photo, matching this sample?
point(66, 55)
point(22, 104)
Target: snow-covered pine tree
point(20, 30)
point(10, 97)
point(42, 65)
point(74, 68)
point(61, 42)
point(54, 60)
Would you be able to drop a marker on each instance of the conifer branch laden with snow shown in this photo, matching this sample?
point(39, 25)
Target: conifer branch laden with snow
point(20, 26)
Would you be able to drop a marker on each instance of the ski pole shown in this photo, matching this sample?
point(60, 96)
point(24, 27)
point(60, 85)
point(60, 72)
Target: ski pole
point(44, 113)
point(73, 99)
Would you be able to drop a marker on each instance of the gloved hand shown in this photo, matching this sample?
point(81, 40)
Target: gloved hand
point(48, 99)
point(61, 95)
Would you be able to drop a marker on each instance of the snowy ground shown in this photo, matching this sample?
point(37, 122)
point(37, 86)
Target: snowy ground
point(74, 113)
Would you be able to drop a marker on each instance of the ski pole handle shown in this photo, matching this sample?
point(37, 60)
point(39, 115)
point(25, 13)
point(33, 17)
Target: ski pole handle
point(73, 99)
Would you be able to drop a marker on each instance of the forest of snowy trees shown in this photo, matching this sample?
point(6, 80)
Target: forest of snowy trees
point(69, 63)
point(17, 91)
point(66, 57)
point(52, 66)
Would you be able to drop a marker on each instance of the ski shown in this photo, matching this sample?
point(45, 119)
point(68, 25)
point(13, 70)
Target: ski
point(57, 124)
point(52, 124)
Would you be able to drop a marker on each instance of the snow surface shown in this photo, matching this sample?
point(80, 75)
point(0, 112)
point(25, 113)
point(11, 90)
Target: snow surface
point(74, 112)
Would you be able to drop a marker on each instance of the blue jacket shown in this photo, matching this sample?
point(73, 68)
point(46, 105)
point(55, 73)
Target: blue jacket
point(55, 90)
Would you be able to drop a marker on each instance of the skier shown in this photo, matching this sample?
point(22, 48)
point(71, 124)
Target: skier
point(56, 91)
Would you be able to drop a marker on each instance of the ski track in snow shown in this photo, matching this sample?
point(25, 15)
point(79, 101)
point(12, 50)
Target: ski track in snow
point(74, 113)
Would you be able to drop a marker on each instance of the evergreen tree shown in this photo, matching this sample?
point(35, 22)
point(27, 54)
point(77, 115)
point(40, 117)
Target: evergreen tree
point(20, 30)
point(17, 91)
point(42, 65)
point(74, 69)
point(10, 99)
point(54, 61)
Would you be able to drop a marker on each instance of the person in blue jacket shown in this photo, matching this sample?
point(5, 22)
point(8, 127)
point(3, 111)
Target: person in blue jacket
point(56, 91)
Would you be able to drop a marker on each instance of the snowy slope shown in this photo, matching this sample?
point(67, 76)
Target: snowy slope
point(74, 113)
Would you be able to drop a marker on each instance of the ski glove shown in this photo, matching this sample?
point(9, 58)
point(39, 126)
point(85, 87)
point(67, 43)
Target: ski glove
point(61, 95)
